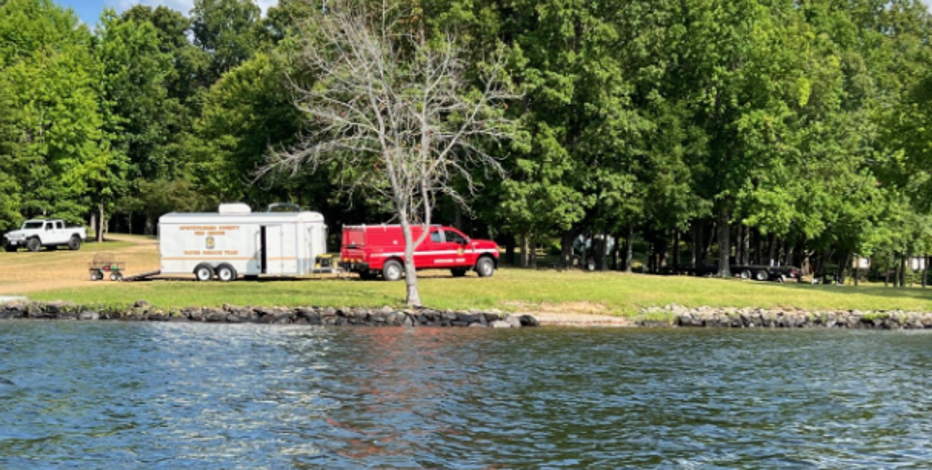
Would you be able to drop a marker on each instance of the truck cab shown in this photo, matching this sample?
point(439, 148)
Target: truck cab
point(374, 250)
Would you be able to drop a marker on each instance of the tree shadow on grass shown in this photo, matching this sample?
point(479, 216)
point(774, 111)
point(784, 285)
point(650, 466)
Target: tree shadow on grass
point(917, 293)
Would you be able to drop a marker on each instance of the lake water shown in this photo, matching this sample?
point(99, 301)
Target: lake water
point(134, 395)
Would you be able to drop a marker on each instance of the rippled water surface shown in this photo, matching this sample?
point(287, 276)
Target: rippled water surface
point(121, 395)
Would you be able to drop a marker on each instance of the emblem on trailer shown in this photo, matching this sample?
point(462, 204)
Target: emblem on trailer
point(210, 243)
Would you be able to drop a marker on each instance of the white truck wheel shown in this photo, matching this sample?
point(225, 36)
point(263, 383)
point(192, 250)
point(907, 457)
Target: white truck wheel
point(485, 267)
point(392, 271)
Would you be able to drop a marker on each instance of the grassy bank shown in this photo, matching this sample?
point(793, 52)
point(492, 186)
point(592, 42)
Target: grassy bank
point(62, 275)
point(509, 290)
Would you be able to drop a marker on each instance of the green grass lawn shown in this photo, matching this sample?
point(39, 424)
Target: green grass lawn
point(509, 290)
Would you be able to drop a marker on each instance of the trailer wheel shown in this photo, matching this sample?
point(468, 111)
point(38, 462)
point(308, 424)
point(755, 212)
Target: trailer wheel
point(458, 272)
point(226, 273)
point(116, 276)
point(745, 274)
point(75, 243)
point(96, 275)
point(392, 271)
point(761, 275)
point(33, 244)
point(485, 266)
point(203, 273)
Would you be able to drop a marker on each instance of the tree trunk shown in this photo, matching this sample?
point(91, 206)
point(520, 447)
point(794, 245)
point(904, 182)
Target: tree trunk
point(739, 230)
point(566, 249)
point(697, 245)
point(788, 259)
point(707, 253)
point(457, 216)
point(724, 244)
point(149, 228)
point(629, 249)
point(904, 263)
point(616, 249)
point(600, 252)
point(510, 249)
point(772, 252)
point(896, 270)
point(857, 269)
point(93, 224)
point(886, 273)
point(663, 252)
point(413, 297)
point(925, 270)
point(676, 251)
point(746, 246)
point(102, 221)
point(843, 268)
point(532, 260)
point(525, 251)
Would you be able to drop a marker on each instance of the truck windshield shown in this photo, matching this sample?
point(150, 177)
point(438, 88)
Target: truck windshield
point(33, 225)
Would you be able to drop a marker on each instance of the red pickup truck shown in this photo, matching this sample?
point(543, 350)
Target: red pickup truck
point(371, 250)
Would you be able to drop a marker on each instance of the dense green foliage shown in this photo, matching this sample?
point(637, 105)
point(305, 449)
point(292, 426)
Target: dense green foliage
point(750, 131)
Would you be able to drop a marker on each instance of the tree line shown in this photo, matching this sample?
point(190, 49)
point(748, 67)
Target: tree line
point(703, 131)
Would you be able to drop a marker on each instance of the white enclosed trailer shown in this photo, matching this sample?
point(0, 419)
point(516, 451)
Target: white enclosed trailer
point(236, 242)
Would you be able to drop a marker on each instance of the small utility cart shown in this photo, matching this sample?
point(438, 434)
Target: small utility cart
point(103, 264)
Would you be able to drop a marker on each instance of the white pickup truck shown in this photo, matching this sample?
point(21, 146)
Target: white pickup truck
point(34, 234)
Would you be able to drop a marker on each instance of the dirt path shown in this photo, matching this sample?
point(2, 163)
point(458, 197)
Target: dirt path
point(23, 272)
point(581, 319)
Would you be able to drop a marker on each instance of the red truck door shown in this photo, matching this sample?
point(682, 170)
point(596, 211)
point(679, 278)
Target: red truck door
point(458, 249)
point(429, 253)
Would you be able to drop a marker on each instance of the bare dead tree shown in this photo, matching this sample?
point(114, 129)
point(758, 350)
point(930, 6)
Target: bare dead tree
point(395, 113)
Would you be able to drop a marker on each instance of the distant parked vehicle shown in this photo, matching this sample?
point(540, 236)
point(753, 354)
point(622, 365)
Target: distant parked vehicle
point(36, 233)
point(766, 273)
point(745, 271)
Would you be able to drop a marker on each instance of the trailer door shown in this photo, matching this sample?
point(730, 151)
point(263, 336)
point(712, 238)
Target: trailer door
point(273, 262)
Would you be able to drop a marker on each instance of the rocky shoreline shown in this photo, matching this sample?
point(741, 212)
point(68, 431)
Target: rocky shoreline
point(723, 317)
point(669, 316)
point(327, 316)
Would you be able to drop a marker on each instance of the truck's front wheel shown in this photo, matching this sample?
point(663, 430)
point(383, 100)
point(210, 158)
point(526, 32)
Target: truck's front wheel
point(392, 271)
point(75, 243)
point(485, 267)
point(33, 244)
point(9, 248)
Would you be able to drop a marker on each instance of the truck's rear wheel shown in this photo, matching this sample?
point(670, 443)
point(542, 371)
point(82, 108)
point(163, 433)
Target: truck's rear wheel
point(485, 266)
point(226, 273)
point(203, 273)
point(33, 244)
point(458, 272)
point(392, 271)
point(75, 243)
